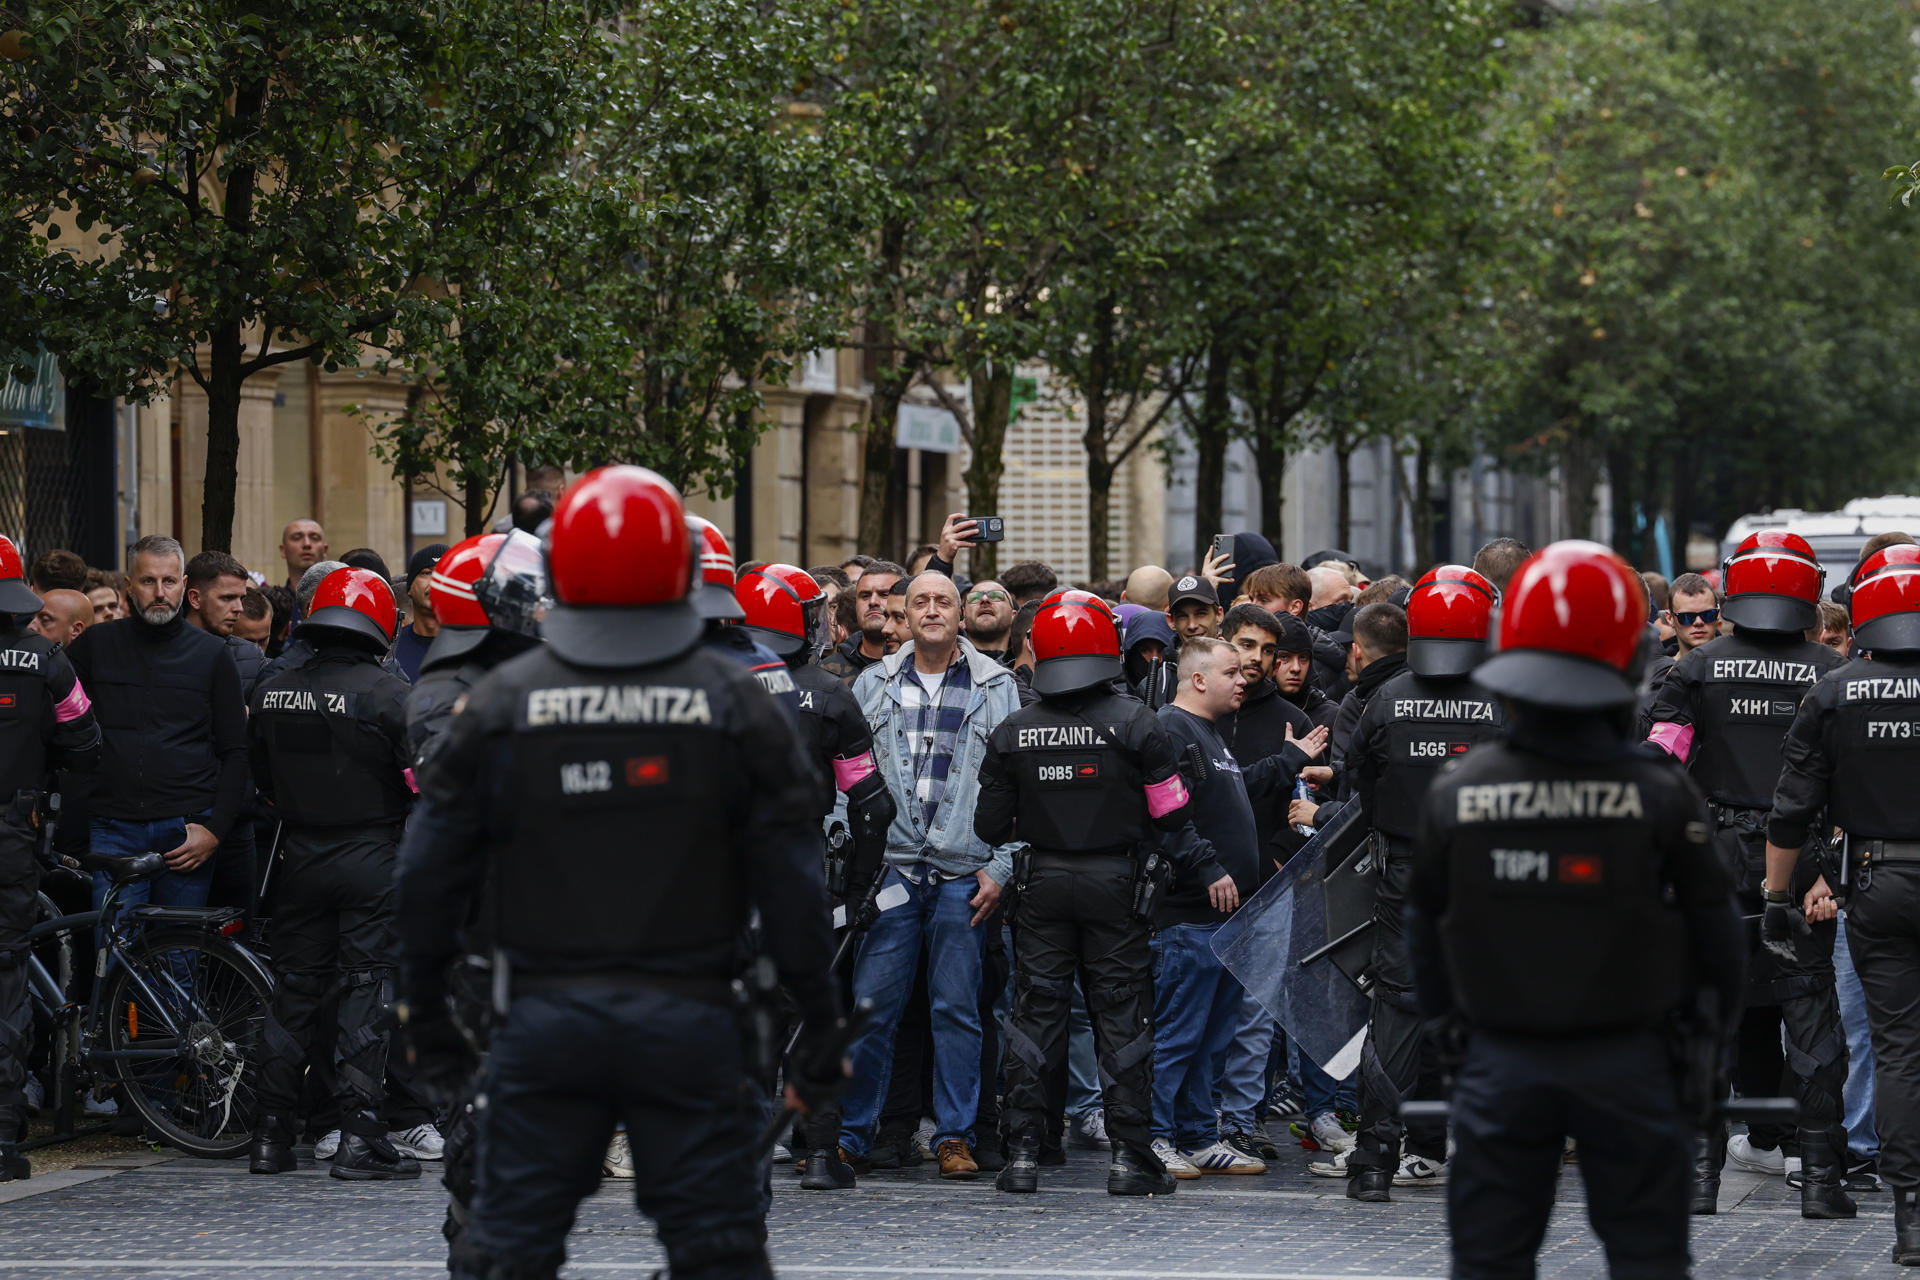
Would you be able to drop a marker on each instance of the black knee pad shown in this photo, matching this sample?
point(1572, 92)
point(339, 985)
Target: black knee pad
point(732, 1253)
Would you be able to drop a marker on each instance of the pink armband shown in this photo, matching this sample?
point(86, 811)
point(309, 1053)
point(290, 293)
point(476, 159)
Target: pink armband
point(411, 784)
point(1164, 797)
point(1674, 739)
point(849, 770)
point(73, 706)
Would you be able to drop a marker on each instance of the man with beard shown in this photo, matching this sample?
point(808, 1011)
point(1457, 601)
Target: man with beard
point(174, 733)
point(989, 619)
point(870, 646)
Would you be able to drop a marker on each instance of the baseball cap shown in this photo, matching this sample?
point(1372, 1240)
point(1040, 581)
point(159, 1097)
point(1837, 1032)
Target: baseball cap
point(1189, 587)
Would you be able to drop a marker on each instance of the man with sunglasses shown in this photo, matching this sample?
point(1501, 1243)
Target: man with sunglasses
point(1693, 611)
point(1725, 709)
point(989, 619)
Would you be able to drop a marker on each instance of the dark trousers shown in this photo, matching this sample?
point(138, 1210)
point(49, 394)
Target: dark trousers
point(1075, 916)
point(1394, 1063)
point(19, 887)
point(1883, 935)
point(1516, 1102)
point(565, 1067)
point(333, 934)
point(994, 968)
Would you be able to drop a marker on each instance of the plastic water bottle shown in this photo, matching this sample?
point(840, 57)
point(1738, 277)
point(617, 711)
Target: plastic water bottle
point(1301, 791)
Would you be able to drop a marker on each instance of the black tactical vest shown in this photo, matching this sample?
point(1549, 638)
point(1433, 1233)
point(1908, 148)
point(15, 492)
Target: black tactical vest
point(1557, 919)
point(618, 843)
point(26, 712)
point(1874, 793)
point(1077, 765)
point(1744, 704)
point(332, 764)
point(1428, 722)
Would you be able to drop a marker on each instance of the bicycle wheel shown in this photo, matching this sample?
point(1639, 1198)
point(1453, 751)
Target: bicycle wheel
point(185, 1017)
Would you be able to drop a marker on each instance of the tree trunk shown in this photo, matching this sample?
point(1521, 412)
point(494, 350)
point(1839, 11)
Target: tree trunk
point(221, 477)
point(477, 502)
point(992, 386)
point(1270, 465)
point(1423, 555)
point(1681, 502)
point(1578, 477)
point(1626, 527)
point(876, 470)
point(1099, 469)
point(1343, 484)
point(1210, 435)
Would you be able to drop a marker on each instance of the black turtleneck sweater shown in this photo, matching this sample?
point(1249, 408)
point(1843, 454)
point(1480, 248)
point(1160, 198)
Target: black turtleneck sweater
point(173, 725)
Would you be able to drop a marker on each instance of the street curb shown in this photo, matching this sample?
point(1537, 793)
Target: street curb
point(105, 1167)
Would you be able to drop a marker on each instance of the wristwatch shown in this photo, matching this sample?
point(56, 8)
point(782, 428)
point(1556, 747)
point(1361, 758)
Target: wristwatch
point(1777, 897)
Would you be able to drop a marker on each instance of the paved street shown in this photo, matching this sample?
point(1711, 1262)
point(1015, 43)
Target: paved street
point(199, 1220)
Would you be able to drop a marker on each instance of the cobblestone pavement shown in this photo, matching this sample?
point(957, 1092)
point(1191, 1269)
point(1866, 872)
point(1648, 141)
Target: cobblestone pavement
point(139, 1216)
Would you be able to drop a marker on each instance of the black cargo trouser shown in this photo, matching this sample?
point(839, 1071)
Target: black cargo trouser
point(1883, 935)
point(1518, 1099)
point(1076, 916)
point(333, 934)
point(1394, 1062)
point(19, 890)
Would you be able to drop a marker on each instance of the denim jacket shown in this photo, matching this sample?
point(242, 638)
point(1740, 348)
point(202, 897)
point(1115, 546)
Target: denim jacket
point(949, 845)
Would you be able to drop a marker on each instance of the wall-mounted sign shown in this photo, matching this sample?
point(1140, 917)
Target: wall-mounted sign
point(430, 516)
point(922, 426)
point(40, 403)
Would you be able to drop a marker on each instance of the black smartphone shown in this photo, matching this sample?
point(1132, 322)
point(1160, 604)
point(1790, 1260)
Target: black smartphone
point(1223, 547)
point(988, 528)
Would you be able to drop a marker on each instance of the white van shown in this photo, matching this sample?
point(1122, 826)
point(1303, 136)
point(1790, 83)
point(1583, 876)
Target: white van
point(1836, 536)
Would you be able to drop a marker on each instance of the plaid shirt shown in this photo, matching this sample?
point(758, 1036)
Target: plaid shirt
point(934, 716)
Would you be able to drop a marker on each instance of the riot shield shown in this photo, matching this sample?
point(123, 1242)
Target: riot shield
point(1300, 944)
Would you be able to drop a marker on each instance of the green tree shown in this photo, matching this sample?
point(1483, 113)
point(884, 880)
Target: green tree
point(212, 188)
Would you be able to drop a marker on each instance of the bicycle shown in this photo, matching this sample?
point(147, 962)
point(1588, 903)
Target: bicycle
point(176, 1016)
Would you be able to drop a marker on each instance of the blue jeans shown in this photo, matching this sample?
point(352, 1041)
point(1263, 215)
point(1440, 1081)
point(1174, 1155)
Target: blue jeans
point(1863, 1143)
point(124, 838)
point(1083, 1068)
point(1196, 1011)
point(1243, 1068)
point(937, 917)
point(1320, 1091)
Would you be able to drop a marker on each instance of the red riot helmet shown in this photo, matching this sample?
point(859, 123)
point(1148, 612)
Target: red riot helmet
point(1886, 601)
point(1076, 643)
point(15, 595)
point(1772, 582)
point(1449, 617)
point(785, 609)
point(463, 620)
point(713, 576)
point(1571, 624)
point(356, 603)
point(618, 554)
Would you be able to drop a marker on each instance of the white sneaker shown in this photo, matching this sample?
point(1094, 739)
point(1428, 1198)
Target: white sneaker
point(93, 1106)
point(422, 1142)
point(619, 1159)
point(1741, 1151)
point(781, 1155)
point(1792, 1170)
point(1090, 1131)
point(1218, 1157)
point(1177, 1165)
point(923, 1141)
point(1327, 1131)
point(328, 1146)
point(36, 1093)
point(1418, 1171)
point(1333, 1168)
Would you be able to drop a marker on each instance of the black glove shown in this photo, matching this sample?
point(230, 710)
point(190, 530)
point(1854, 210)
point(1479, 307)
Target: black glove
point(870, 812)
point(817, 1072)
point(1781, 929)
point(443, 1059)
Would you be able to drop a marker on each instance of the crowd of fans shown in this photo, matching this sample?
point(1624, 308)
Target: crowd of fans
point(1261, 655)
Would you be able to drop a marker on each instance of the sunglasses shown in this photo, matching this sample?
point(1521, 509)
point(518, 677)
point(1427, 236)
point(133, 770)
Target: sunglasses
point(1708, 616)
point(975, 596)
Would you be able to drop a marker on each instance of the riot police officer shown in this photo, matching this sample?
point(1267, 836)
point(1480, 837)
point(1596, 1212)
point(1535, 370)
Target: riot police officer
point(1854, 752)
point(1725, 709)
point(48, 727)
point(489, 593)
point(785, 610)
point(1564, 887)
point(329, 746)
point(629, 796)
point(1081, 777)
point(713, 598)
point(1418, 720)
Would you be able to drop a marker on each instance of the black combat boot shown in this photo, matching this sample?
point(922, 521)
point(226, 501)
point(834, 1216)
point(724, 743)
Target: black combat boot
point(1134, 1173)
point(369, 1157)
point(1022, 1171)
point(1906, 1226)
point(13, 1165)
point(1823, 1175)
point(1372, 1186)
point(827, 1170)
point(1709, 1158)
point(272, 1146)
